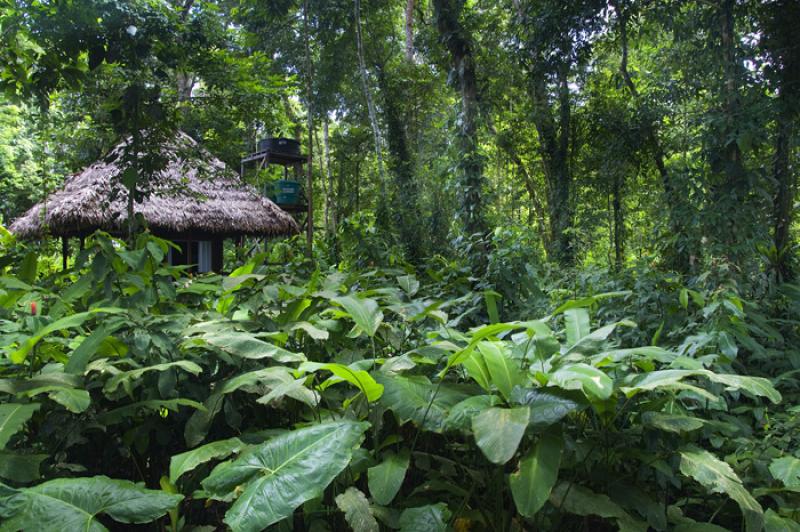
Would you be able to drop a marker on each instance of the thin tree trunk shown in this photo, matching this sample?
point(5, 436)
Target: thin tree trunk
point(373, 115)
point(619, 223)
point(409, 27)
point(678, 257)
point(405, 191)
point(455, 38)
point(784, 198)
point(330, 204)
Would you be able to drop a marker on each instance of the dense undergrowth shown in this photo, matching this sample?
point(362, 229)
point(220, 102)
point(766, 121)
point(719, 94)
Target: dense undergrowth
point(374, 399)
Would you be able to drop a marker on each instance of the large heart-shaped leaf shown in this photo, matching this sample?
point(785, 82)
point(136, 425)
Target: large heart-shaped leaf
point(278, 476)
point(498, 431)
point(75, 503)
point(532, 483)
point(365, 312)
point(386, 478)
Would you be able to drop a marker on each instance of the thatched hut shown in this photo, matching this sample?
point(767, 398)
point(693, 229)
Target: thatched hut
point(197, 202)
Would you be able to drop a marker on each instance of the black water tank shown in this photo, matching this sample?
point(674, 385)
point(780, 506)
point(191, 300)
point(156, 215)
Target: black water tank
point(279, 145)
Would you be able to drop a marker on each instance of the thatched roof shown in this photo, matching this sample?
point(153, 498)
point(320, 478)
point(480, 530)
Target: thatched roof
point(196, 193)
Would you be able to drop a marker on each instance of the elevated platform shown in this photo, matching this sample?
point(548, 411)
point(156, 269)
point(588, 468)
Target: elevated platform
point(272, 157)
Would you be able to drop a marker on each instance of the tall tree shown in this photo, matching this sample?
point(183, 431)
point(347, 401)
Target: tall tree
point(783, 50)
point(556, 41)
point(470, 178)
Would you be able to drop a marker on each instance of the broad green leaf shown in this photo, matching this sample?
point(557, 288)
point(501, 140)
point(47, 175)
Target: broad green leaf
point(416, 399)
point(775, 523)
point(356, 511)
point(727, 345)
point(296, 389)
point(246, 346)
point(118, 415)
point(498, 431)
point(596, 337)
point(535, 328)
point(476, 368)
point(90, 345)
point(547, 406)
point(578, 500)
point(664, 378)
point(672, 422)
point(68, 322)
point(126, 377)
point(185, 462)
point(460, 416)
point(533, 481)
point(576, 322)
point(386, 478)
point(430, 518)
point(503, 370)
point(491, 297)
point(409, 284)
point(74, 504)
point(593, 382)
point(589, 301)
point(20, 468)
point(358, 378)
point(364, 311)
point(12, 417)
point(787, 470)
point(314, 332)
point(718, 477)
point(73, 399)
point(196, 428)
point(278, 476)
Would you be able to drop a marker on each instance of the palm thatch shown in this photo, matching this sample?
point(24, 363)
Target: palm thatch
point(195, 193)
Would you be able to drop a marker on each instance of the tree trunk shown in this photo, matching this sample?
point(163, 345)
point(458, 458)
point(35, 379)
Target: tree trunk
point(470, 179)
point(731, 222)
point(409, 27)
point(373, 115)
point(554, 139)
point(330, 203)
point(784, 198)
point(677, 255)
point(405, 190)
point(619, 223)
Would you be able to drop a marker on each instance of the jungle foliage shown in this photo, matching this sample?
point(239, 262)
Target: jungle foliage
point(377, 399)
point(553, 281)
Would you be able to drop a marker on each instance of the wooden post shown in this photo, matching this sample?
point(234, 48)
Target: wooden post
point(64, 252)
